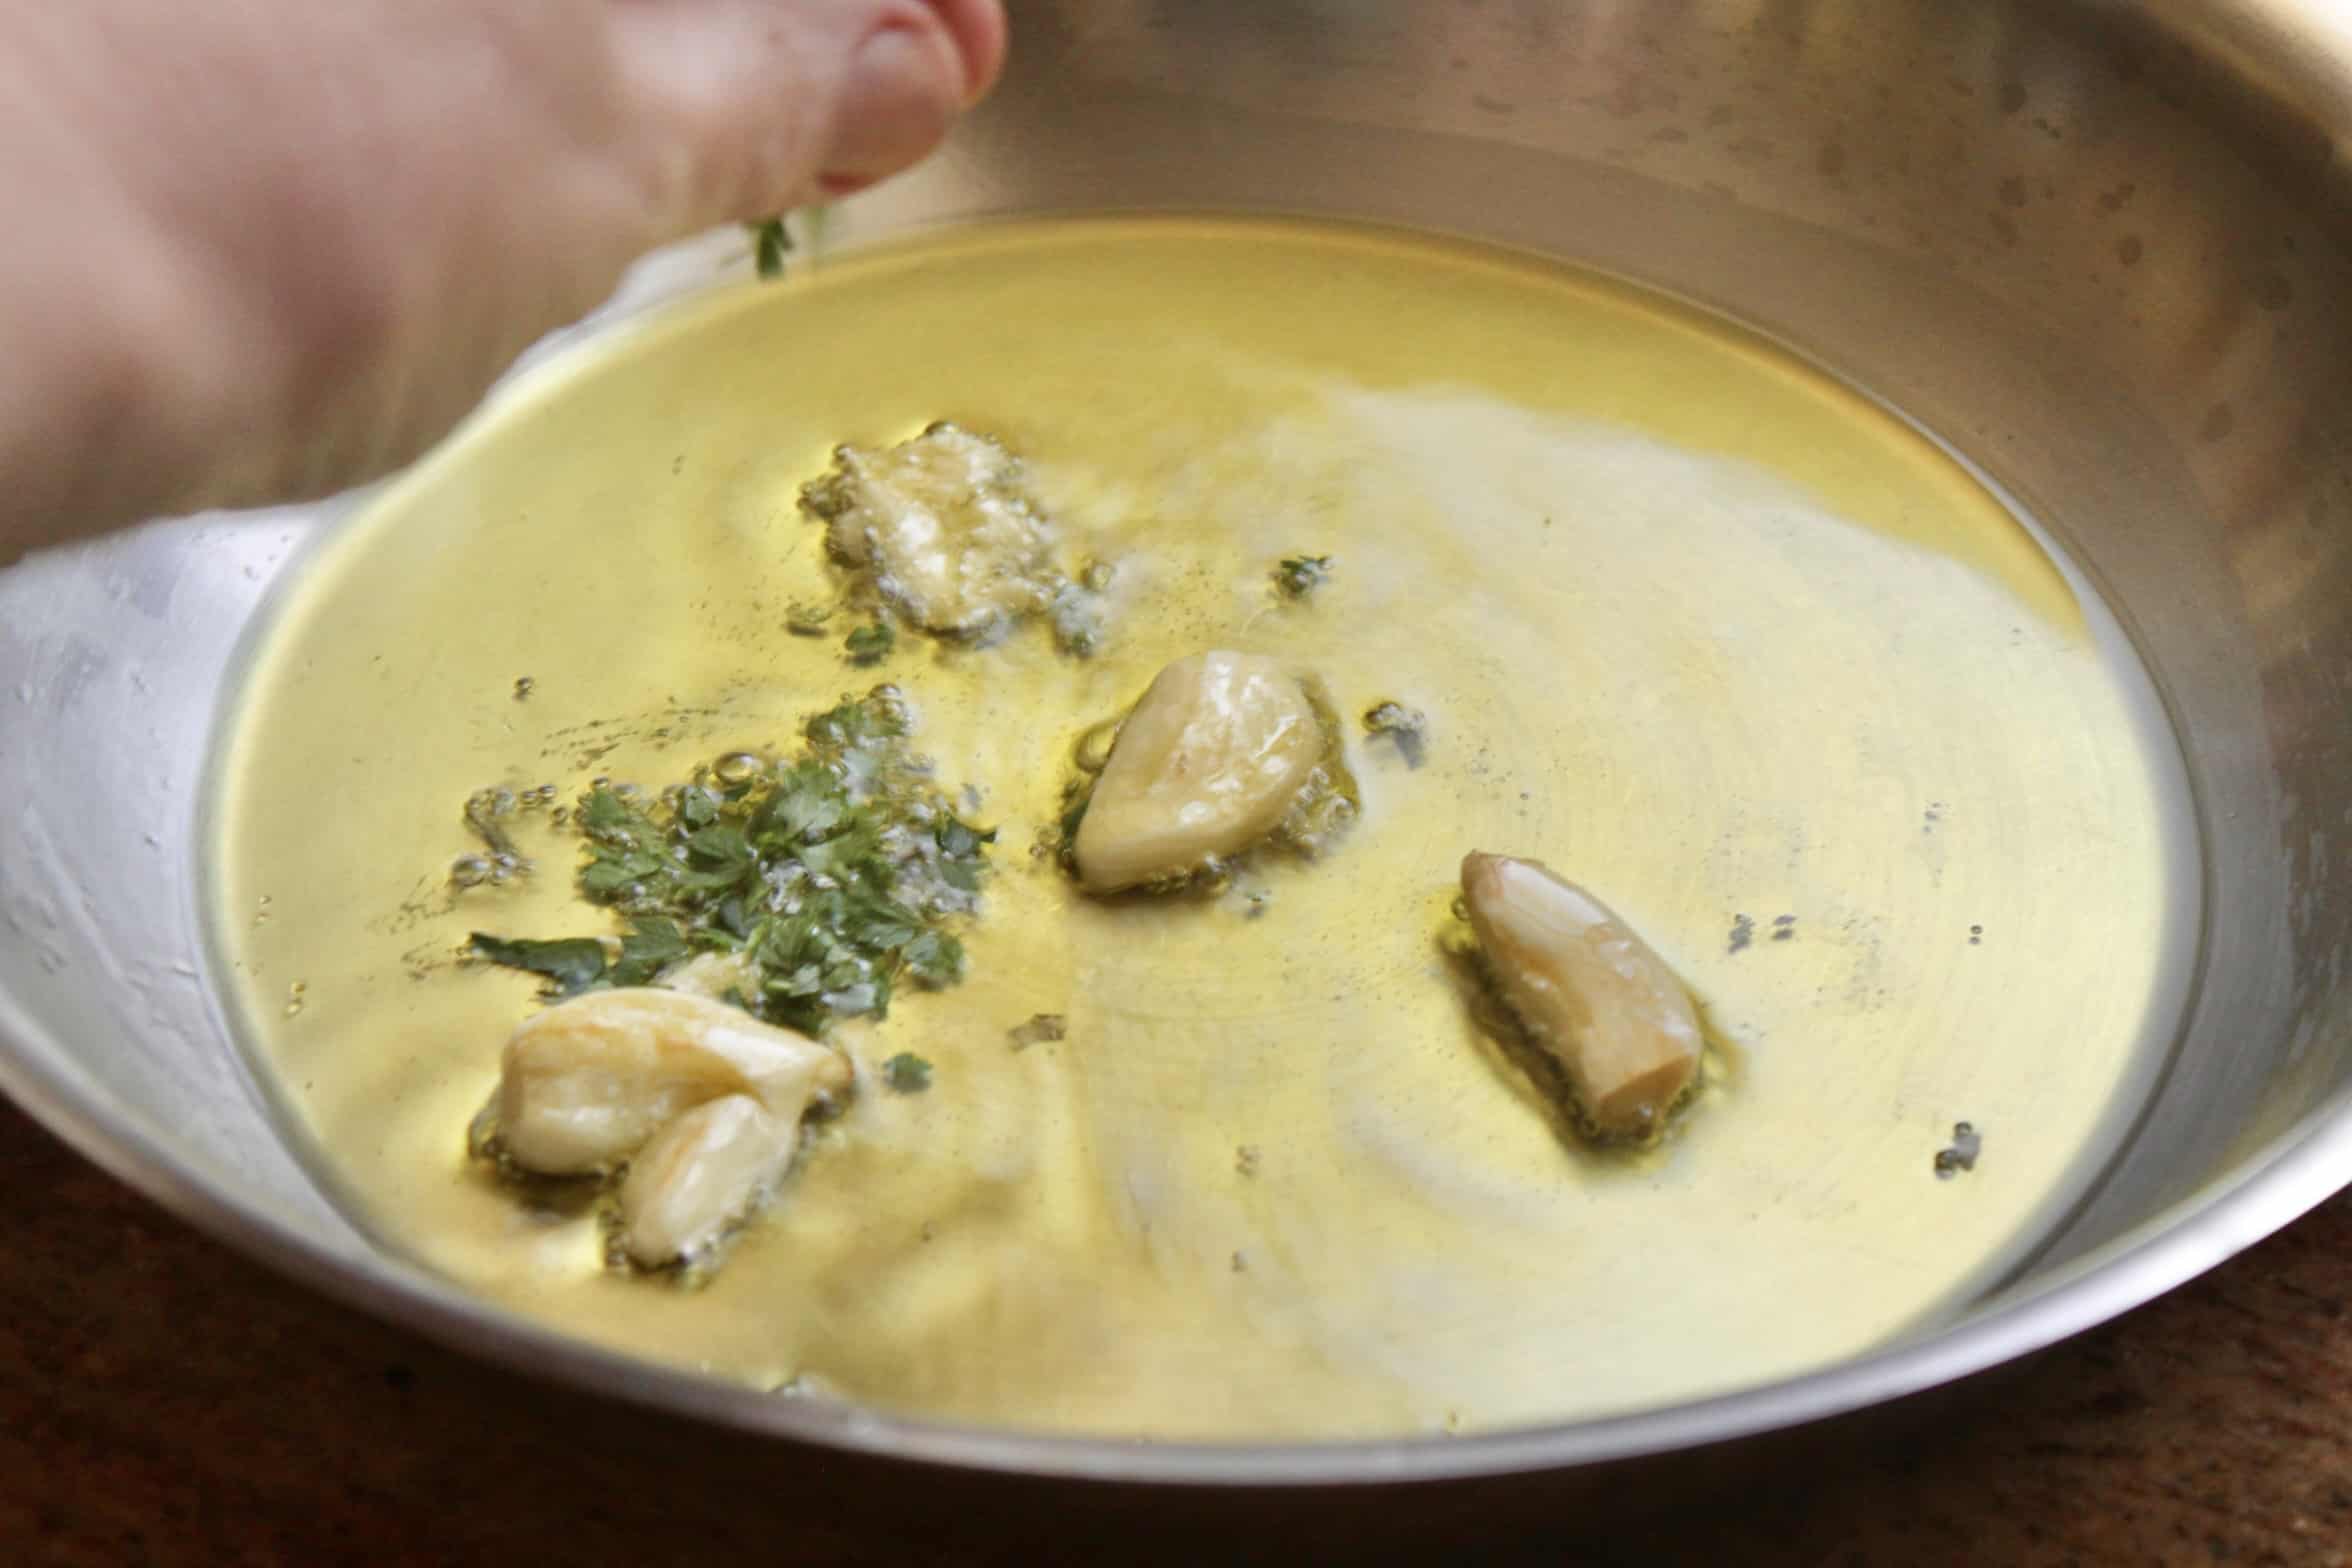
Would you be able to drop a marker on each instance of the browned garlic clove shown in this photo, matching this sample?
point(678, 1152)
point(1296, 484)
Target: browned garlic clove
point(1208, 763)
point(1588, 991)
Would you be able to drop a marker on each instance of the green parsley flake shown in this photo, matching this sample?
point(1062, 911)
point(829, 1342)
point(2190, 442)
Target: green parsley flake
point(569, 964)
point(1408, 727)
point(907, 1073)
point(871, 644)
point(771, 242)
point(1040, 1029)
point(1300, 575)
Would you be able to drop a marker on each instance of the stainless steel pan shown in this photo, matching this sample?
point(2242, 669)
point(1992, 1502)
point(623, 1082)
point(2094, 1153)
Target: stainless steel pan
point(2099, 247)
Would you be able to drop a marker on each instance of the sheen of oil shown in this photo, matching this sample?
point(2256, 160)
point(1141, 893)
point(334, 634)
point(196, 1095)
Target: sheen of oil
point(1693, 623)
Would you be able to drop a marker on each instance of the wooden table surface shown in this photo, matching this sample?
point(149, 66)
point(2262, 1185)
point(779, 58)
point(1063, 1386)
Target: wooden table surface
point(163, 1400)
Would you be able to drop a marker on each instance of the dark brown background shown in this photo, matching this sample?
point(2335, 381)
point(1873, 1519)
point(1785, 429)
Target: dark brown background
point(163, 1400)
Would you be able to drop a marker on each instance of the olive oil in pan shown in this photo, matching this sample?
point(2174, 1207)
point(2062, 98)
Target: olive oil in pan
point(1700, 628)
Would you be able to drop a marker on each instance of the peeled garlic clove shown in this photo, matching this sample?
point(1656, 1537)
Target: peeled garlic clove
point(1207, 764)
point(1589, 992)
point(710, 975)
point(700, 1174)
point(586, 1082)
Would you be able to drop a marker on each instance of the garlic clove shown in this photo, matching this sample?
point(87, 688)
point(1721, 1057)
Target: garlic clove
point(586, 1082)
point(699, 1175)
point(1589, 992)
point(710, 975)
point(1208, 763)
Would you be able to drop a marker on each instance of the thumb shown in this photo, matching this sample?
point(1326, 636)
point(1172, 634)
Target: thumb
point(772, 103)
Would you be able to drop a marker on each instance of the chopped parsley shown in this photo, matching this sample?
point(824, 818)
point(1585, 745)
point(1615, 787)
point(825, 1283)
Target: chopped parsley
point(569, 963)
point(771, 242)
point(1040, 1029)
point(831, 878)
point(1300, 575)
point(1961, 1154)
point(771, 238)
point(907, 1073)
point(1408, 727)
point(871, 643)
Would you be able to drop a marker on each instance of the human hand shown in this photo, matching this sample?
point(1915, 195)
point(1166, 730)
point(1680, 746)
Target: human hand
point(261, 249)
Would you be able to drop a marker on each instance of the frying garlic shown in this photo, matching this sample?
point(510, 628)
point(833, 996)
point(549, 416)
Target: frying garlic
point(702, 1100)
point(1588, 991)
point(585, 1083)
point(699, 1175)
point(708, 974)
point(1209, 762)
point(952, 540)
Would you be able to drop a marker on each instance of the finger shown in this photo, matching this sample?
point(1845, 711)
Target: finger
point(765, 104)
point(979, 29)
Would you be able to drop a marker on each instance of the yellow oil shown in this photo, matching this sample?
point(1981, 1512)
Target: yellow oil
point(1701, 628)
